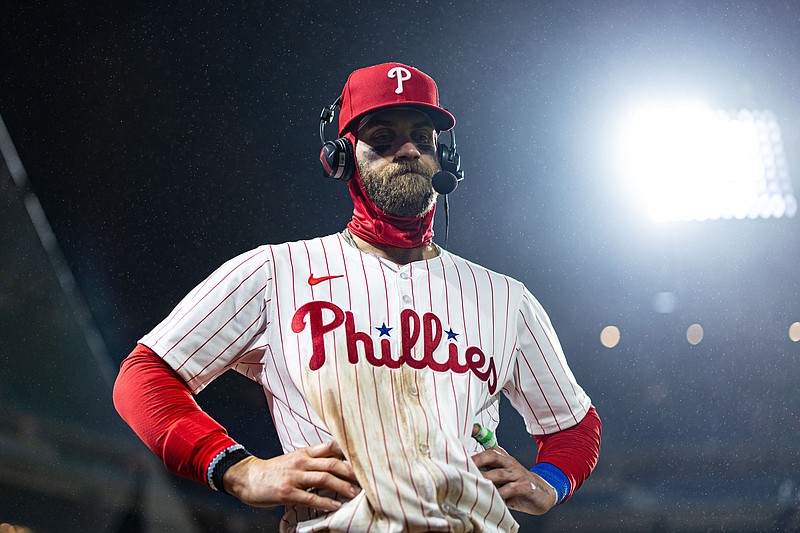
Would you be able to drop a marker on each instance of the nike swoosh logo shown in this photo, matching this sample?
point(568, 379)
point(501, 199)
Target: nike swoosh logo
point(313, 281)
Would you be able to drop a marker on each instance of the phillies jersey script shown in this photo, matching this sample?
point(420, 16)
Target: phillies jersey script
point(395, 363)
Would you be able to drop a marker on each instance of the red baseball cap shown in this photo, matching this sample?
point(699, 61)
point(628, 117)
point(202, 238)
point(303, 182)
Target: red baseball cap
point(388, 85)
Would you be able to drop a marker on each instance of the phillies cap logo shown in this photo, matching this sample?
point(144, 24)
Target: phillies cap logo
point(402, 75)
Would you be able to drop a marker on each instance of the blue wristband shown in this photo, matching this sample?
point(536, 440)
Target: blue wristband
point(555, 477)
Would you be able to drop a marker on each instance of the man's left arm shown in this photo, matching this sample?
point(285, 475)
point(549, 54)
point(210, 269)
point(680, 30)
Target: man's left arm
point(568, 457)
point(556, 411)
point(564, 461)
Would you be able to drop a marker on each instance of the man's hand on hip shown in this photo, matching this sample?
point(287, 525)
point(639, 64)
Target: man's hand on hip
point(286, 479)
point(521, 489)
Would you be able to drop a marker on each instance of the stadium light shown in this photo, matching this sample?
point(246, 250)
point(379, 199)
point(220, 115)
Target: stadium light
point(693, 163)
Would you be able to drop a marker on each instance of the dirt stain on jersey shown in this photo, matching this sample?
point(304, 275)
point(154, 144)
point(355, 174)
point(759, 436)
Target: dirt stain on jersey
point(349, 399)
point(376, 416)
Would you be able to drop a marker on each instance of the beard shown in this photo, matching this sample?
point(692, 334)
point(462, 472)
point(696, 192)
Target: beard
point(401, 189)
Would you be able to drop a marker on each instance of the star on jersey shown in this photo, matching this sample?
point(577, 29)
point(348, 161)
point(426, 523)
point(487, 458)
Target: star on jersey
point(384, 329)
point(451, 335)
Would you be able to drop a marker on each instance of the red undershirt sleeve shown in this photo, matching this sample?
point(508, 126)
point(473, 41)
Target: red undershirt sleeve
point(574, 450)
point(156, 403)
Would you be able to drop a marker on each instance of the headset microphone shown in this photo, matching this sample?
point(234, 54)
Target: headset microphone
point(444, 182)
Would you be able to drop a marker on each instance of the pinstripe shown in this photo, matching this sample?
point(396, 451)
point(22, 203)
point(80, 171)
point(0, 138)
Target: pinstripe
point(280, 336)
point(541, 390)
point(301, 377)
point(281, 428)
point(358, 392)
point(561, 362)
point(405, 452)
point(531, 409)
point(330, 295)
point(467, 424)
point(346, 273)
point(399, 431)
point(447, 314)
point(550, 371)
point(367, 446)
point(397, 415)
point(311, 290)
point(466, 429)
point(504, 369)
point(383, 427)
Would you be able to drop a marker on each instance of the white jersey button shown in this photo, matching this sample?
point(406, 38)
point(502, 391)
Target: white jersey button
point(424, 449)
point(412, 390)
point(407, 299)
point(404, 275)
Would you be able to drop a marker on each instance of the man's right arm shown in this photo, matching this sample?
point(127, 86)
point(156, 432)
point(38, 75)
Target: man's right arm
point(156, 403)
point(153, 399)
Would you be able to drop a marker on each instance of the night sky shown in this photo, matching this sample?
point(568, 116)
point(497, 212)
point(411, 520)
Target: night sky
point(163, 139)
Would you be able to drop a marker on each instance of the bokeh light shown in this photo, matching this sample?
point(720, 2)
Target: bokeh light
point(665, 302)
point(609, 336)
point(694, 334)
point(794, 332)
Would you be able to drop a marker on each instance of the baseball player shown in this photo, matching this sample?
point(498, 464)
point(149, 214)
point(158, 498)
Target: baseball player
point(382, 356)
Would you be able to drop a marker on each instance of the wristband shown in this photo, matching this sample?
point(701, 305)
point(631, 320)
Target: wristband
point(222, 462)
point(554, 477)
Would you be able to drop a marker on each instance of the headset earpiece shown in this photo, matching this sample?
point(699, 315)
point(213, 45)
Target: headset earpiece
point(337, 159)
point(449, 159)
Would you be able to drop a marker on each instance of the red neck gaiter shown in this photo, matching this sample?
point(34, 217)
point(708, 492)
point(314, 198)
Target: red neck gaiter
point(370, 223)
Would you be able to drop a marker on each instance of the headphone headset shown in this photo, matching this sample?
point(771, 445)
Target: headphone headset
point(338, 158)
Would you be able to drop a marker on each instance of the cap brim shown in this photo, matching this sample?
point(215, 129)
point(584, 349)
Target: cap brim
point(442, 119)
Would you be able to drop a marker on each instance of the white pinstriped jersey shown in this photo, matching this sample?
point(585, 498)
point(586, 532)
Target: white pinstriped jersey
point(393, 362)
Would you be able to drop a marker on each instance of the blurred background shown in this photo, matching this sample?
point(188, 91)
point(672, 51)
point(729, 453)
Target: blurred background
point(145, 143)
